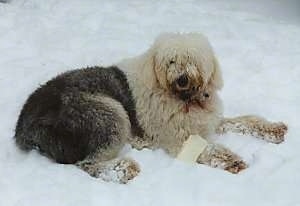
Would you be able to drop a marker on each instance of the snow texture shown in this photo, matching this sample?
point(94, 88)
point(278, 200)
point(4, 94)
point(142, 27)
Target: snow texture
point(257, 44)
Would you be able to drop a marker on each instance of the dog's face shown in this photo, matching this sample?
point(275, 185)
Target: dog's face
point(184, 65)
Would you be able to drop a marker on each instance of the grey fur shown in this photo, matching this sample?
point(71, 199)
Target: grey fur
point(78, 115)
point(85, 116)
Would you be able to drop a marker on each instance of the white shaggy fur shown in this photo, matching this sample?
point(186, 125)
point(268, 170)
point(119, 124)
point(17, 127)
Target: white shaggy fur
point(163, 96)
point(160, 114)
point(163, 117)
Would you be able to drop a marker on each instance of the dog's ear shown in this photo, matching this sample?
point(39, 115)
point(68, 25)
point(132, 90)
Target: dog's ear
point(216, 80)
point(148, 73)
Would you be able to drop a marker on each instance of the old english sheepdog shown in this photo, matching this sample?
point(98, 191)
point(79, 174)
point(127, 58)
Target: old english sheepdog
point(155, 100)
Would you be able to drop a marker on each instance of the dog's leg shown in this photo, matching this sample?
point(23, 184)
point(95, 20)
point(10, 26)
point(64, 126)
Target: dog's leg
point(140, 143)
point(102, 128)
point(217, 156)
point(115, 128)
point(256, 126)
point(119, 170)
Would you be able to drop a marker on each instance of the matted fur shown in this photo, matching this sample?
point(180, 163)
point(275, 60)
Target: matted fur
point(155, 100)
point(162, 115)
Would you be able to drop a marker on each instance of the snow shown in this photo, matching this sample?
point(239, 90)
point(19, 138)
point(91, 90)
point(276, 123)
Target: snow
point(257, 44)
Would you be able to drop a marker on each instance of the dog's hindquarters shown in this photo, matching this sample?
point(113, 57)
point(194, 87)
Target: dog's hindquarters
point(81, 127)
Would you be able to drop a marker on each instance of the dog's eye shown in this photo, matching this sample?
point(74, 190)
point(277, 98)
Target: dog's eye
point(182, 81)
point(172, 62)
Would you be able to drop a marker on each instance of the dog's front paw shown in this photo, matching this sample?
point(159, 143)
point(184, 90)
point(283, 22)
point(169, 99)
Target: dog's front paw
point(275, 132)
point(217, 156)
point(235, 166)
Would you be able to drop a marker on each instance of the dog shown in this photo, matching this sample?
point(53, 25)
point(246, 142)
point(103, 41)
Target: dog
point(155, 100)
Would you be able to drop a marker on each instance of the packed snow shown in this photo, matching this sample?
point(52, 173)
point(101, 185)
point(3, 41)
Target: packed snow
point(259, 53)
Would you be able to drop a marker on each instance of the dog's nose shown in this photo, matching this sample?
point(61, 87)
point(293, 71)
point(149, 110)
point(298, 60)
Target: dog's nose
point(206, 95)
point(182, 81)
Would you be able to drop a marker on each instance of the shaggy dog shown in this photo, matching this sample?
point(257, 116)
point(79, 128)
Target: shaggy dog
point(155, 100)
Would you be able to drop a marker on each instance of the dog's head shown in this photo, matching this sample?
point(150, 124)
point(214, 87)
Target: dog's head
point(183, 65)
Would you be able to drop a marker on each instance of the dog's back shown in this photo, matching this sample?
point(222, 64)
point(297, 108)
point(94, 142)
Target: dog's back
point(63, 116)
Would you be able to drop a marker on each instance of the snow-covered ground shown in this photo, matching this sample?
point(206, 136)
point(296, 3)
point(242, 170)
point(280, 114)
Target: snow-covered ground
point(258, 46)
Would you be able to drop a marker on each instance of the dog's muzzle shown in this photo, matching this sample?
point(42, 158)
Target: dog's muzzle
point(188, 92)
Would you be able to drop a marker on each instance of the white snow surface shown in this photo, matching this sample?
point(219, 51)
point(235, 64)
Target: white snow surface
point(259, 54)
